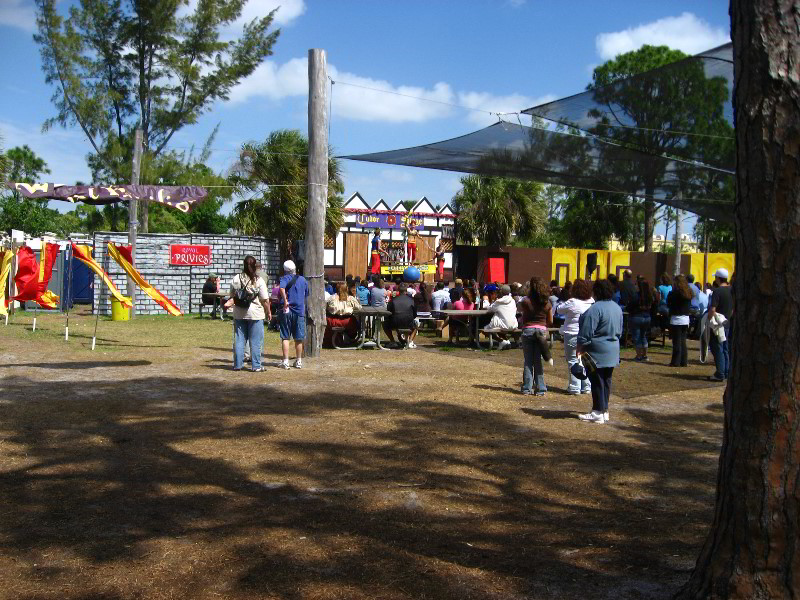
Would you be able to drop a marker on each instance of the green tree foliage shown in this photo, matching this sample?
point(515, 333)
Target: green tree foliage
point(662, 110)
point(16, 212)
point(120, 65)
point(272, 176)
point(590, 219)
point(494, 209)
point(721, 236)
point(178, 168)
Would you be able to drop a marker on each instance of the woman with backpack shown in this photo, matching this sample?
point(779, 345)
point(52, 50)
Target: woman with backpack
point(250, 305)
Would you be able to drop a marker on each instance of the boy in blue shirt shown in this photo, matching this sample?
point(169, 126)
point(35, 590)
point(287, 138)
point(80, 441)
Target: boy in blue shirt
point(292, 322)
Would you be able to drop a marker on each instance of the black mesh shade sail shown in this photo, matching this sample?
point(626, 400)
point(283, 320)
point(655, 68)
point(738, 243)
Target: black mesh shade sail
point(572, 160)
point(683, 109)
point(666, 135)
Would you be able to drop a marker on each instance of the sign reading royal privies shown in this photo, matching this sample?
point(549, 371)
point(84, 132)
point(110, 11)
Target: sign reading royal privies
point(387, 221)
point(189, 255)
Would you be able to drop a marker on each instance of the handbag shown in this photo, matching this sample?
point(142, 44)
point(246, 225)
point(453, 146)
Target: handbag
point(243, 297)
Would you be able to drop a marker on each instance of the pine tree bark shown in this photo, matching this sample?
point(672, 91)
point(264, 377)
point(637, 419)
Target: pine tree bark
point(753, 549)
point(649, 223)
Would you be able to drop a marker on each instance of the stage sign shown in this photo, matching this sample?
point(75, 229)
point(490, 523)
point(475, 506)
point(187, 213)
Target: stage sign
point(189, 255)
point(384, 221)
point(398, 269)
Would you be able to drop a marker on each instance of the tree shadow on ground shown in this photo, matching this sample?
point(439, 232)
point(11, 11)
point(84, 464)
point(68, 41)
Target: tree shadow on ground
point(81, 365)
point(307, 495)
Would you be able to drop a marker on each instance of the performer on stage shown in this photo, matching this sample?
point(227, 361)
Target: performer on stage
point(411, 244)
point(375, 268)
point(439, 256)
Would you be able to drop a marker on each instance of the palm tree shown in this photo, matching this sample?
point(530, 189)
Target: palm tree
point(493, 209)
point(273, 178)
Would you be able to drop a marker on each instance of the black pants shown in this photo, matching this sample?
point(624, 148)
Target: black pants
point(680, 355)
point(601, 388)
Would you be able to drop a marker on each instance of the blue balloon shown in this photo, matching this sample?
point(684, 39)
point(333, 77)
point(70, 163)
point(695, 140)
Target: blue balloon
point(411, 275)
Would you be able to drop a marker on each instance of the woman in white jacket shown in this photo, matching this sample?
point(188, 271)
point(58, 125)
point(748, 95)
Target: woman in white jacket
point(579, 302)
point(504, 313)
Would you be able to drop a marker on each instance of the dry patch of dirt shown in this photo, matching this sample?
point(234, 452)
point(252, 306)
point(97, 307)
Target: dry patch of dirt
point(149, 469)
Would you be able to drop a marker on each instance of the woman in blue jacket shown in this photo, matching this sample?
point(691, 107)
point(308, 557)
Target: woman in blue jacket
point(599, 330)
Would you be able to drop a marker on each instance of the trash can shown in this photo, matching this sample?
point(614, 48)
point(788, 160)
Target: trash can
point(118, 311)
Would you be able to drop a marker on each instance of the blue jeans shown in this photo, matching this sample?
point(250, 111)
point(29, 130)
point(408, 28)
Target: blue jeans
point(247, 331)
point(575, 384)
point(721, 352)
point(532, 371)
point(640, 329)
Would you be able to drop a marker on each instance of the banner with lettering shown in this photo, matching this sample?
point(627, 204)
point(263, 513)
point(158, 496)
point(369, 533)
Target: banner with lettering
point(180, 197)
point(387, 221)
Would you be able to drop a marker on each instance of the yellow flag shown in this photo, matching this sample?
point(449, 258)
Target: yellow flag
point(5, 269)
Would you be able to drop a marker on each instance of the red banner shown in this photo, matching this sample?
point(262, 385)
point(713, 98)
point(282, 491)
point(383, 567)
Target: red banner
point(189, 255)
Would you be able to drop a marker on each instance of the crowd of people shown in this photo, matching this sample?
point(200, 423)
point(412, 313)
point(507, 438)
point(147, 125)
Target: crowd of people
point(590, 316)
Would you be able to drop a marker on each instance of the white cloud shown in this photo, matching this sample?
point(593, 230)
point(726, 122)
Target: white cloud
point(288, 11)
point(685, 32)
point(516, 3)
point(18, 13)
point(361, 98)
point(483, 101)
point(386, 102)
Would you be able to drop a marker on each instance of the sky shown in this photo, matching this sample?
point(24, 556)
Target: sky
point(448, 64)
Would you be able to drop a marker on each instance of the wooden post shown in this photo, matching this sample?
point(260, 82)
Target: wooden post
point(133, 211)
point(317, 196)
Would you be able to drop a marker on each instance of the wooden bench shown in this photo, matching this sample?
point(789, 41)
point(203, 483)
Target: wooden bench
point(512, 333)
point(516, 334)
point(338, 332)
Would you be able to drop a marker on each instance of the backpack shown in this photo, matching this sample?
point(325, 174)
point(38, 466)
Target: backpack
point(243, 297)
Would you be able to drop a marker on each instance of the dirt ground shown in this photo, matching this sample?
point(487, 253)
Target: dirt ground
point(148, 469)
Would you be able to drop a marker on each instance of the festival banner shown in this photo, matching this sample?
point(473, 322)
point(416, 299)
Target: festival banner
point(388, 221)
point(180, 197)
point(5, 268)
point(32, 276)
point(82, 254)
point(47, 258)
point(122, 256)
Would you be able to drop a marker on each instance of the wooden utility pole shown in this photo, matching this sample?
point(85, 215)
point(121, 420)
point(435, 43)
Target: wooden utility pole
point(317, 196)
point(133, 211)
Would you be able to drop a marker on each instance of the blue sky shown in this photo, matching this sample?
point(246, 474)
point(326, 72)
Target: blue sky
point(497, 56)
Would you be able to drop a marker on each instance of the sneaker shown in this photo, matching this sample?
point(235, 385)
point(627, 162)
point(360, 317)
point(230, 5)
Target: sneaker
point(412, 345)
point(527, 392)
point(258, 370)
point(593, 417)
point(715, 378)
point(551, 362)
point(573, 392)
point(503, 344)
point(298, 364)
point(285, 364)
point(537, 393)
point(586, 391)
point(605, 416)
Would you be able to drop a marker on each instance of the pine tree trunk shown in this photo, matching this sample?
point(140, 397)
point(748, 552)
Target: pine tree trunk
point(649, 222)
point(753, 549)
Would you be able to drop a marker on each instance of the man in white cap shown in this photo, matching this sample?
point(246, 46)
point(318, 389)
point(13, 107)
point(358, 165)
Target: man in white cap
point(292, 320)
point(721, 303)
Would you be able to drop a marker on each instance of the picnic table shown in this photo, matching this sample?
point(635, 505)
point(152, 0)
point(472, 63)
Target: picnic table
point(371, 333)
point(221, 295)
point(473, 316)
